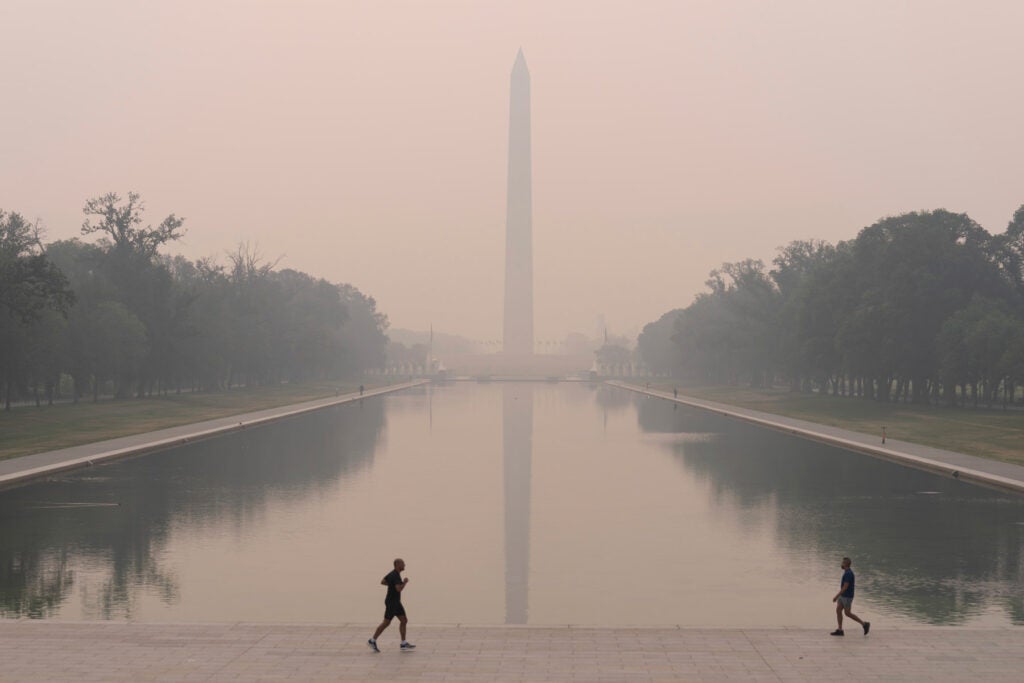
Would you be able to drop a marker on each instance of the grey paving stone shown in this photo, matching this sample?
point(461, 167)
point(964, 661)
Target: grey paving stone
point(54, 651)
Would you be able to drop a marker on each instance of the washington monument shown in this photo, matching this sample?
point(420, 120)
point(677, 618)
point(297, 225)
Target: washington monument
point(518, 337)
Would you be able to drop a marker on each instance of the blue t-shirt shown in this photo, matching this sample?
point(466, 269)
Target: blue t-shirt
point(847, 578)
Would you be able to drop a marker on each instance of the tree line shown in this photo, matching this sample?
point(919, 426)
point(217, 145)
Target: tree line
point(924, 307)
point(116, 316)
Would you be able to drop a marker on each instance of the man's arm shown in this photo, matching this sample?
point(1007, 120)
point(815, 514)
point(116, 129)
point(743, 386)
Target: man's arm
point(846, 584)
point(401, 586)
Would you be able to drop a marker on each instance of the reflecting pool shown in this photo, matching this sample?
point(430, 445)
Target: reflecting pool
point(514, 503)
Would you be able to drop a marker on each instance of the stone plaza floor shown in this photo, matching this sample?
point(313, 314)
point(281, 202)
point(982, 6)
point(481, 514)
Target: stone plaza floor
point(118, 651)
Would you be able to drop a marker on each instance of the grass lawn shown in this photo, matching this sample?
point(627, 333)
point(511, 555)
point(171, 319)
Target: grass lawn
point(27, 429)
point(993, 434)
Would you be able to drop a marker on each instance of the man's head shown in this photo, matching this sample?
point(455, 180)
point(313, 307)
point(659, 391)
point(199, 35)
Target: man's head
point(399, 564)
point(846, 563)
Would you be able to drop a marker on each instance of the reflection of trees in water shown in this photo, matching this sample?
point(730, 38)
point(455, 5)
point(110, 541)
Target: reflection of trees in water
point(611, 398)
point(664, 417)
point(940, 558)
point(33, 583)
point(50, 529)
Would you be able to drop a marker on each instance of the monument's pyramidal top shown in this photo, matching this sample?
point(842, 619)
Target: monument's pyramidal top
point(520, 63)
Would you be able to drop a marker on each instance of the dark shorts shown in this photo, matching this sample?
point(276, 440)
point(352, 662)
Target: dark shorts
point(847, 603)
point(393, 610)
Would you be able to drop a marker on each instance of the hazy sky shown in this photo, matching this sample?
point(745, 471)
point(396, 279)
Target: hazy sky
point(366, 142)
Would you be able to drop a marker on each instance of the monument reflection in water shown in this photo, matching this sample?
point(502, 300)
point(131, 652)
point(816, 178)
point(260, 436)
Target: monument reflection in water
point(512, 503)
point(517, 452)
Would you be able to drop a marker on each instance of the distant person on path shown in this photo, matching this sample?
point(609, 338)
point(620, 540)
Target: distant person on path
point(675, 393)
point(393, 606)
point(360, 389)
point(844, 600)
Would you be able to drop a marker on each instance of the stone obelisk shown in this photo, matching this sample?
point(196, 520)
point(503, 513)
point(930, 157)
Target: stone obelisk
point(518, 333)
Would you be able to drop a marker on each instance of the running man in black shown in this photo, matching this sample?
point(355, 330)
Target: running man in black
point(393, 606)
point(844, 600)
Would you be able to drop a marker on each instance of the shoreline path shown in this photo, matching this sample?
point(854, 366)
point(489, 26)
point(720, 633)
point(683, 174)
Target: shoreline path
point(34, 650)
point(20, 470)
point(967, 468)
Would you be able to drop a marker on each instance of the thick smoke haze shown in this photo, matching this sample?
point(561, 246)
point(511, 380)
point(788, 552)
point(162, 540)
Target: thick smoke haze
point(366, 142)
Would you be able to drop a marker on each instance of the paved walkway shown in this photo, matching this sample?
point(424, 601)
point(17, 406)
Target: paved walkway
point(54, 651)
point(16, 471)
point(992, 473)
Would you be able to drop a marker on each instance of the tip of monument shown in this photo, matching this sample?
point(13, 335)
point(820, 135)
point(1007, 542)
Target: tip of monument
point(520, 59)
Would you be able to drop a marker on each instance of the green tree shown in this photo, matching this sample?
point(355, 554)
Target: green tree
point(363, 336)
point(1008, 250)
point(887, 314)
point(30, 284)
point(47, 355)
point(748, 320)
point(82, 263)
point(120, 221)
point(29, 281)
point(121, 345)
point(656, 346)
point(143, 283)
point(803, 272)
point(911, 273)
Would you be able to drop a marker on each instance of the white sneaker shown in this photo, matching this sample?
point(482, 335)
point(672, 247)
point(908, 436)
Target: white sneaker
point(406, 647)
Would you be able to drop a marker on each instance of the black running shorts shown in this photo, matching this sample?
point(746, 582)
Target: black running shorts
point(393, 610)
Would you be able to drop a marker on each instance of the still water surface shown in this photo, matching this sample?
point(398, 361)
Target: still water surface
point(511, 503)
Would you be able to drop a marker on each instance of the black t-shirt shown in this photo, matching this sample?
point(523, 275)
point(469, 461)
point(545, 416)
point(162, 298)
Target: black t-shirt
point(393, 580)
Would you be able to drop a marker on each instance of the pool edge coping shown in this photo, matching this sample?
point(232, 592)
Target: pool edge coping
point(199, 431)
point(795, 427)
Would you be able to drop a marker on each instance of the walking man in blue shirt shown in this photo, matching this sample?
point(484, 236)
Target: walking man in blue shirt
point(844, 600)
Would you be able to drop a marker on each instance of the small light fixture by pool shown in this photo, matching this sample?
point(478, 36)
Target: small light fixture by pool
point(928, 493)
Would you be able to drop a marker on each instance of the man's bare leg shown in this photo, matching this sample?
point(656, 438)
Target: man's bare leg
point(839, 616)
point(384, 624)
point(852, 616)
point(402, 621)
